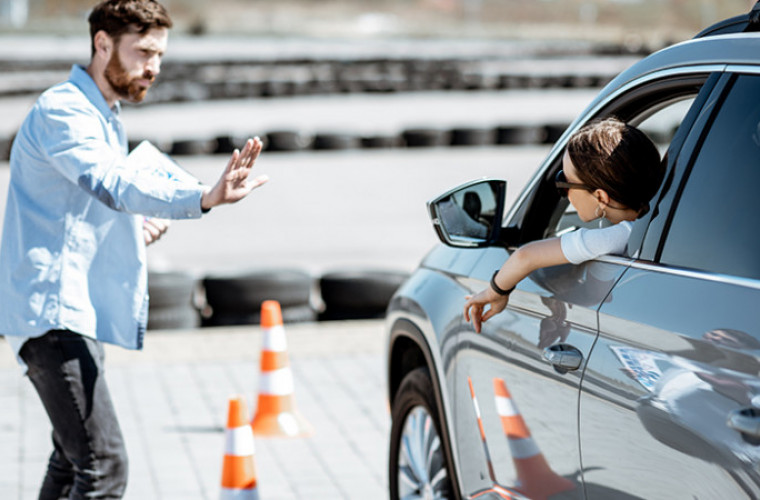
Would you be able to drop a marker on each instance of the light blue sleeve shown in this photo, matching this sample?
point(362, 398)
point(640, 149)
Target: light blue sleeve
point(587, 244)
point(80, 145)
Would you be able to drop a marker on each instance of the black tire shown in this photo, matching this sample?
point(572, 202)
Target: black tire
point(173, 318)
point(293, 314)
point(193, 147)
point(381, 141)
point(415, 397)
point(286, 140)
point(171, 289)
point(335, 141)
point(473, 136)
point(520, 135)
point(246, 292)
point(368, 292)
point(423, 138)
point(339, 314)
point(226, 144)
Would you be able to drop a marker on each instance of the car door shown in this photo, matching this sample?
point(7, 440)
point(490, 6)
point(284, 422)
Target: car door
point(670, 396)
point(516, 425)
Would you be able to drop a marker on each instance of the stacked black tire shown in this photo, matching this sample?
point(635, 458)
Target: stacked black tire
point(173, 301)
point(180, 301)
point(358, 294)
point(236, 299)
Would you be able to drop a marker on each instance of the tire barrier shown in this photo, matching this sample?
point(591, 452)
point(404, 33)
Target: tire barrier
point(333, 66)
point(290, 314)
point(172, 301)
point(381, 142)
point(286, 140)
point(292, 140)
point(520, 135)
point(358, 294)
point(226, 144)
point(237, 299)
point(473, 136)
point(336, 141)
point(425, 137)
point(186, 147)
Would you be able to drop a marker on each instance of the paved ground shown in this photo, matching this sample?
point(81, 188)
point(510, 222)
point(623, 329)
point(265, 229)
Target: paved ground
point(172, 402)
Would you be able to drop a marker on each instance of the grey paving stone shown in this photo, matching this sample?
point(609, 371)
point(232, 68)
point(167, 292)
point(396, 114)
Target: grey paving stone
point(172, 405)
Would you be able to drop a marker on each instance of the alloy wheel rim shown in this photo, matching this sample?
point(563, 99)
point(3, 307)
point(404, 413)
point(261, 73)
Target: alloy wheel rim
point(421, 466)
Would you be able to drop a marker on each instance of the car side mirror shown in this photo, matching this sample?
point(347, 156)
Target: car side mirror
point(469, 216)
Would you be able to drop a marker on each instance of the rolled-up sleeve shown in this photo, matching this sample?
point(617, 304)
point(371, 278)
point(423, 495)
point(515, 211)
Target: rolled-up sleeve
point(586, 244)
point(76, 143)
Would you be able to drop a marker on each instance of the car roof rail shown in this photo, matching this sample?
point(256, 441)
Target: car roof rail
point(739, 24)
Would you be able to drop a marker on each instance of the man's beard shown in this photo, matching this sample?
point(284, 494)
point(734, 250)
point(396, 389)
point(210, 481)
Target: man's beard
point(125, 87)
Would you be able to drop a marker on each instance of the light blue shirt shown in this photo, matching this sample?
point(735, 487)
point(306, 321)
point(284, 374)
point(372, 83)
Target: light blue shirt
point(73, 254)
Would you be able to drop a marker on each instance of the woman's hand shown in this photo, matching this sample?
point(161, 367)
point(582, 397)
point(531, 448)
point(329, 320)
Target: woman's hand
point(474, 307)
point(234, 184)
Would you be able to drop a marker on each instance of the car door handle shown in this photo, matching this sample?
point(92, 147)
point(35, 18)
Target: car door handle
point(747, 422)
point(563, 357)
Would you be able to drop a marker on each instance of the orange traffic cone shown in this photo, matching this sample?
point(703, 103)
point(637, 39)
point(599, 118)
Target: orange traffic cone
point(276, 413)
point(495, 491)
point(537, 480)
point(238, 469)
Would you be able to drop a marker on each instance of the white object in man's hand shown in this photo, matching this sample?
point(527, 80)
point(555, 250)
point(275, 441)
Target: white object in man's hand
point(234, 184)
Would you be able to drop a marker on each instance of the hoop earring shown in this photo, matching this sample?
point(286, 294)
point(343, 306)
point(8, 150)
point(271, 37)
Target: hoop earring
point(600, 217)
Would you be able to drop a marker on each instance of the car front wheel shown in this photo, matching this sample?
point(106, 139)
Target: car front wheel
point(418, 466)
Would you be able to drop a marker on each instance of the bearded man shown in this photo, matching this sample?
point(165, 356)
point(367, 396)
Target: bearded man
point(72, 259)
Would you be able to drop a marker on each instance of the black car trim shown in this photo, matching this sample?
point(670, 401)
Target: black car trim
point(737, 24)
point(719, 95)
point(650, 237)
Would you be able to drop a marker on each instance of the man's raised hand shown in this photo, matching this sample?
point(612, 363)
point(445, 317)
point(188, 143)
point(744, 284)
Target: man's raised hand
point(234, 184)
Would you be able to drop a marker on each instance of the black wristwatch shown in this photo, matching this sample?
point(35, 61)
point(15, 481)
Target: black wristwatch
point(496, 288)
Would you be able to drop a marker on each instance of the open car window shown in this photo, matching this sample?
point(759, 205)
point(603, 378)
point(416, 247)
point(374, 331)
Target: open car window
point(660, 123)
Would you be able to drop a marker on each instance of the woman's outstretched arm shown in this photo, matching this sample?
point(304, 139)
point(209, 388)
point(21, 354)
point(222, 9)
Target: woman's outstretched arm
point(522, 262)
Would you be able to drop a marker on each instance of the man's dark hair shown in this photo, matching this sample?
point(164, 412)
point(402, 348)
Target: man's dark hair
point(620, 159)
point(117, 17)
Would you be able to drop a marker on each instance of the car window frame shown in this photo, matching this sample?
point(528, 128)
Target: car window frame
point(689, 154)
point(621, 102)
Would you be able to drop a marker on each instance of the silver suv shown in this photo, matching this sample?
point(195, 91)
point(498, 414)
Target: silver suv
point(630, 376)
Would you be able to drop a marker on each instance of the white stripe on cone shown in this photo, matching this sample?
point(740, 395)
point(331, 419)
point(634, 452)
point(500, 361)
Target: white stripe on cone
point(276, 382)
point(523, 448)
point(239, 441)
point(274, 339)
point(236, 494)
point(505, 407)
point(477, 407)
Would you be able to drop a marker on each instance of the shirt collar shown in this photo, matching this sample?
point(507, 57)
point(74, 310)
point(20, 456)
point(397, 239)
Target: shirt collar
point(89, 88)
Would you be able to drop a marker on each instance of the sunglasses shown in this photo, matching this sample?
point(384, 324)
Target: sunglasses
point(560, 182)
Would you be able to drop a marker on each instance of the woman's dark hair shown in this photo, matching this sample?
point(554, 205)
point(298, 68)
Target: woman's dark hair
point(620, 159)
point(117, 17)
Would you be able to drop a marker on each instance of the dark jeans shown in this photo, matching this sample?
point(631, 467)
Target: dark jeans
point(89, 459)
